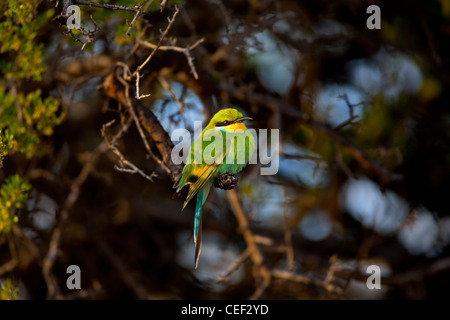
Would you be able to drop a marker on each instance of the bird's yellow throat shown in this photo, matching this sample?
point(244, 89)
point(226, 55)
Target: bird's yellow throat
point(238, 127)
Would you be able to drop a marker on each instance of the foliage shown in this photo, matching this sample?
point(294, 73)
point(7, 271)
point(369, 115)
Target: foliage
point(25, 115)
point(22, 57)
point(8, 291)
point(13, 194)
point(4, 146)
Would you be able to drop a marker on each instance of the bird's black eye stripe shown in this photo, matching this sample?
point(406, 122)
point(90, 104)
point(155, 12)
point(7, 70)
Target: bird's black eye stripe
point(223, 123)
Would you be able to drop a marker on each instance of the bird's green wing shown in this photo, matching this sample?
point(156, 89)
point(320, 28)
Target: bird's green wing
point(197, 175)
point(195, 154)
point(204, 174)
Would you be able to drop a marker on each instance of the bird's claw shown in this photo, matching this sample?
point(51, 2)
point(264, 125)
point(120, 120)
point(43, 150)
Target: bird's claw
point(226, 181)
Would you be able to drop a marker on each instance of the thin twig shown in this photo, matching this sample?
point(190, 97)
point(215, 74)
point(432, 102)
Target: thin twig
point(289, 276)
point(137, 122)
point(162, 5)
point(236, 264)
point(166, 86)
point(260, 272)
point(139, 13)
point(145, 120)
point(138, 96)
point(350, 120)
point(286, 275)
point(104, 5)
point(186, 51)
point(124, 163)
point(88, 34)
point(171, 20)
point(74, 36)
point(331, 272)
point(265, 241)
point(351, 107)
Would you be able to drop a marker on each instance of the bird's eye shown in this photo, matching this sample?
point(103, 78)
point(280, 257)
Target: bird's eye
point(226, 122)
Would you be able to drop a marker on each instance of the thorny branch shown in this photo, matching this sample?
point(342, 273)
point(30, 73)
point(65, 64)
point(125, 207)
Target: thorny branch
point(125, 165)
point(68, 3)
point(186, 51)
point(148, 125)
point(353, 117)
point(143, 64)
point(144, 119)
point(88, 34)
point(139, 13)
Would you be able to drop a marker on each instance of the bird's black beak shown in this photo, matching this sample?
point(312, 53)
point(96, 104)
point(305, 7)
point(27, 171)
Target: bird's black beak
point(242, 119)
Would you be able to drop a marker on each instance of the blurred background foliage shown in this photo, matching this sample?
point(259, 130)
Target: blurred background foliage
point(326, 215)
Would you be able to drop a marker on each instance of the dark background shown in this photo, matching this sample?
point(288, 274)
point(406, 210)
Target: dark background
point(303, 67)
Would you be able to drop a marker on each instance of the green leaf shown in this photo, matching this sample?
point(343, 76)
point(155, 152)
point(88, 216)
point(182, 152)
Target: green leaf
point(13, 195)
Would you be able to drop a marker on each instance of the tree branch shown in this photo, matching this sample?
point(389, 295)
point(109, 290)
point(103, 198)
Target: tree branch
point(47, 264)
point(356, 152)
point(260, 272)
point(139, 13)
point(186, 51)
point(171, 21)
point(147, 121)
point(101, 5)
point(125, 165)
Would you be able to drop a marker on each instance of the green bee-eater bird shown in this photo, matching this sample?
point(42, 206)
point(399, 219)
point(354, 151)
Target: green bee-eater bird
point(231, 155)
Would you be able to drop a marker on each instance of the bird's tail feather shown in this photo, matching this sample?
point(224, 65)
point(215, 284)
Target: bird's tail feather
point(198, 226)
point(202, 195)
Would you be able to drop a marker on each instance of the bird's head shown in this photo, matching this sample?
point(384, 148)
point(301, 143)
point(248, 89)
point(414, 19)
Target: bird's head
point(229, 120)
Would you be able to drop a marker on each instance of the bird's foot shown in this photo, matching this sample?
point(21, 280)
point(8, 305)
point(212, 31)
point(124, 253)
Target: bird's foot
point(226, 181)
